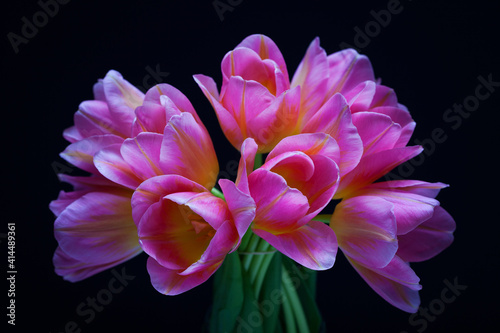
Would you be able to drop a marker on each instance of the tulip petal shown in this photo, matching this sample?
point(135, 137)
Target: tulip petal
point(81, 153)
point(366, 230)
point(245, 166)
point(94, 118)
point(377, 131)
point(142, 154)
point(334, 118)
point(170, 282)
point(150, 117)
point(154, 189)
point(278, 206)
point(98, 228)
point(227, 121)
point(397, 283)
point(266, 49)
point(187, 150)
point(110, 163)
point(374, 166)
point(429, 238)
point(346, 69)
point(313, 245)
point(310, 76)
point(122, 98)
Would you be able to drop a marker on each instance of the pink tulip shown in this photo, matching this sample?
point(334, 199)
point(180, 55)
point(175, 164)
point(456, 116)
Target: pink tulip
point(383, 226)
point(295, 183)
point(94, 225)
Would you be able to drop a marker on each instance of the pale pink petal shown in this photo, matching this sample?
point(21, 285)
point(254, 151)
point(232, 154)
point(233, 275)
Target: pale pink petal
point(98, 90)
point(98, 228)
point(374, 166)
point(279, 207)
point(154, 189)
point(366, 230)
point(429, 238)
point(397, 283)
point(360, 97)
point(92, 182)
point(72, 135)
point(150, 117)
point(312, 78)
point(75, 270)
point(346, 69)
point(81, 153)
point(93, 118)
point(169, 282)
point(334, 118)
point(171, 97)
point(266, 49)
point(411, 204)
point(313, 245)
point(227, 120)
point(142, 154)
point(122, 98)
point(187, 150)
point(64, 199)
point(111, 165)
point(377, 131)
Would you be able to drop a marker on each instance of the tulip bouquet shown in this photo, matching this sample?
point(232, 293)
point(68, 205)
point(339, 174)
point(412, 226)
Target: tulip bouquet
point(326, 137)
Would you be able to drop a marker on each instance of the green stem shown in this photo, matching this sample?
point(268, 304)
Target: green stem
point(252, 246)
point(259, 280)
point(258, 161)
point(257, 259)
point(294, 300)
point(217, 193)
point(287, 311)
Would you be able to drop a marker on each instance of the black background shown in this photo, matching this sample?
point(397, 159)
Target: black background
point(431, 53)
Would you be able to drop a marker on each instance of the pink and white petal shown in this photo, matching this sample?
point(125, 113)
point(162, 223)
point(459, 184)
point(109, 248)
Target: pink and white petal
point(246, 164)
point(310, 144)
point(227, 120)
point(429, 238)
point(279, 207)
point(111, 165)
point(266, 49)
point(75, 270)
point(377, 131)
point(241, 206)
point(98, 228)
point(334, 118)
point(154, 189)
point(310, 76)
point(313, 245)
point(170, 282)
point(346, 69)
point(397, 283)
point(122, 98)
point(142, 154)
point(187, 151)
point(366, 230)
point(81, 153)
point(374, 166)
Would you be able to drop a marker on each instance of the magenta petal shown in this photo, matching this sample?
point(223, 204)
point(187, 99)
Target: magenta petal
point(98, 228)
point(81, 153)
point(150, 117)
point(377, 131)
point(245, 166)
point(334, 118)
point(111, 165)
point(171, 97)
point(366, 230)
point(227, 121)
point(429, 238)
point(279, 207)
point(313, 245)
point(170, 282)
point(93, 118)
point(187, 150)
point(142, 154)
point(374, 166)
point(154, 189)
point(310, 76)
point(241, 206)
point(266, 49)
point(397, 283)
point(347, 69)
point(122, 98)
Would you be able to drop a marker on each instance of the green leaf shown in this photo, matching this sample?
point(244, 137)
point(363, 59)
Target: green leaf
point(271, 295)
point(228, 295)
point(250, 318)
